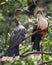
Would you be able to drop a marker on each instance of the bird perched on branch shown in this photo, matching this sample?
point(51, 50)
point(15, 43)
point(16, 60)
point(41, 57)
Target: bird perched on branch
point(42, 24)
point(16, 37)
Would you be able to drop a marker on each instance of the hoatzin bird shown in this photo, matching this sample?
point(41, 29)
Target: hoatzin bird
point(16, 37)
point(42, 24)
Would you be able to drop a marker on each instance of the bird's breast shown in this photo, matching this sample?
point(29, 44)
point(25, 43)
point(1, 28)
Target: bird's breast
point(42, 24)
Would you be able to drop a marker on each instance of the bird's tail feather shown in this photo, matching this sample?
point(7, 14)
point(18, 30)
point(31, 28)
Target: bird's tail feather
point(36, 45)
point(12, 51)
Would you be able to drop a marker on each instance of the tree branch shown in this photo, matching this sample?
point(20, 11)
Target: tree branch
point(50, 26)
point(35, 52)
point(25, 38)
point(28, 36)
point(45, 62)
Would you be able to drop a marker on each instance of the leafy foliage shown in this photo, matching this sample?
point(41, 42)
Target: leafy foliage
point(7, 9)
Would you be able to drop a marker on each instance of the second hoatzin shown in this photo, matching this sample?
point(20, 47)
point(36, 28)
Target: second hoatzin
point(42, 24)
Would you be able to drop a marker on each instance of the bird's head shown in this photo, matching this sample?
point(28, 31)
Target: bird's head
point(39, 13)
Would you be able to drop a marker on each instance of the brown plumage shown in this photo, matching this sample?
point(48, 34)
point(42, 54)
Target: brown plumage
point(39, 36)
